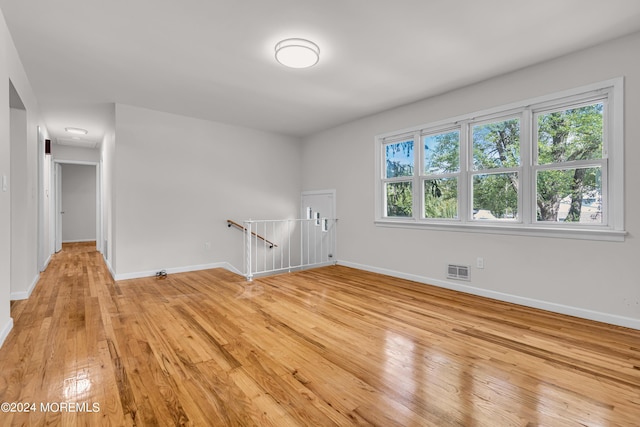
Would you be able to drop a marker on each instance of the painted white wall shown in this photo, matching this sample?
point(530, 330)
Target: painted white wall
point(19, 201)
point(5, 196)
point(24, 194)
point(44, 196)
point(78, 203)
point(178, 179)
point(25, 260)
point(107, 170)
point(596, 278)
point(74, 154)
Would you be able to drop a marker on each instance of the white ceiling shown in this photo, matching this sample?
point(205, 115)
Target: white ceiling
point(214, 59)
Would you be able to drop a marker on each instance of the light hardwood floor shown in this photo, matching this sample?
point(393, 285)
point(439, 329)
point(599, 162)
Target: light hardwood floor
point(331, 346)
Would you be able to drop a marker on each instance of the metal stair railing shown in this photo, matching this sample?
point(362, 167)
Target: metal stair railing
point(303, 243)
point(231, 223)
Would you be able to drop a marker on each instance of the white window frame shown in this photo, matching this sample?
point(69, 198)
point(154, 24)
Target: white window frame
point(471, 171)
point(423, 176)
point(398, 179)
point(611, 92)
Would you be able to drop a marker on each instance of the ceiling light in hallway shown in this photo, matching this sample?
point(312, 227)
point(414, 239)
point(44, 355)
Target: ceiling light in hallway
point(297, 53)
point(77, 131)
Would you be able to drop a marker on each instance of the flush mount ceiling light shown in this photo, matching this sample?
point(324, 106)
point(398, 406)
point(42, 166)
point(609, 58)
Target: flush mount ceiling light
point(297, 53)
point(77, 131)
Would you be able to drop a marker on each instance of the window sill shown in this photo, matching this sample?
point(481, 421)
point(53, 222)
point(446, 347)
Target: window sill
point(601, 234)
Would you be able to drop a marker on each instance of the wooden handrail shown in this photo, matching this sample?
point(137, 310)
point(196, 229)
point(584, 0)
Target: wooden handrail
point(257, 236)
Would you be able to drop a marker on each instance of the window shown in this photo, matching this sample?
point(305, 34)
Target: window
point(569, 164)
point(549, 166)
point(496, 165)
point(441, 174)
point(399, 170)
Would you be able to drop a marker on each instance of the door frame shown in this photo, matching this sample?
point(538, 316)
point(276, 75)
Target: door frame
point(303, 208)
point(56, 201)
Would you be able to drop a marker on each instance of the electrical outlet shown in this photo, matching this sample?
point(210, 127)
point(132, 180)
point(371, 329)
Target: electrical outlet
point(207, 246)
point(480, 263)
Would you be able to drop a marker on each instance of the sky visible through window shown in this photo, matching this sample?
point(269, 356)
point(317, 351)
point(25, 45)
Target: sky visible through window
point(399, 159)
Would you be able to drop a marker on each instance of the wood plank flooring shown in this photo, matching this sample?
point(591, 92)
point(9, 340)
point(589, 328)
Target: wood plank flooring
point(331, 346)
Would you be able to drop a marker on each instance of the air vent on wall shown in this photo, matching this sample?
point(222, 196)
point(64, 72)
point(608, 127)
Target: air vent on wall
point(459, 272)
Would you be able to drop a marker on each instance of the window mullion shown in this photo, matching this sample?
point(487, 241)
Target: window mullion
point(464, 187)
point(418, 197)
point(573, 164)
point(606, 205)
point(527, 190)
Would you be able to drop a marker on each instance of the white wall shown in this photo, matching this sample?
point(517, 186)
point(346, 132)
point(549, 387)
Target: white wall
point(25, 260)
point(78, 203)
point(177, 180)
point(45, 244)
point(5, 196)
point(20, 223)
point(107, 169)
point(74, 154)
point(24, 191)
point(24, 188)
point(587, 278)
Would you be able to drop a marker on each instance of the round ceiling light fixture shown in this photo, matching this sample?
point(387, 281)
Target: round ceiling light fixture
point(77, 131)
point(297, 53)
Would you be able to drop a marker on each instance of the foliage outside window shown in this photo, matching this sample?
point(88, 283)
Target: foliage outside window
point(496, 161)
point(570, 155)
point(544, 165)
point(399, 168)
point(441, 174)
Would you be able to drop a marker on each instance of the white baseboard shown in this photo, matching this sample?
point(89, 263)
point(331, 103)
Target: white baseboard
point(139, 274)
point(46, 263)
point(79, 241)
point(232, 269)
point(15, 296)
point(4, 331)
point(598, 316)
point(113, 273)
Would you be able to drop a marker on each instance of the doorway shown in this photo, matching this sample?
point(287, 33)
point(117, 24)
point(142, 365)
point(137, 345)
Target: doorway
point(77, 211)
point(22, 233)
point(319, 205)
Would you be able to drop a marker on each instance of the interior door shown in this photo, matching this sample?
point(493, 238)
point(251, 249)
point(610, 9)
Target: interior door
point(318, 234)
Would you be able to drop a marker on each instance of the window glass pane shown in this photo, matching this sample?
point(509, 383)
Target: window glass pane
point(399, 159)
point(441, 198)
point(496, 145)
point(569, 195)
point(573, 134)
point(495, 196)
point(399, 199)
point(442, 153)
